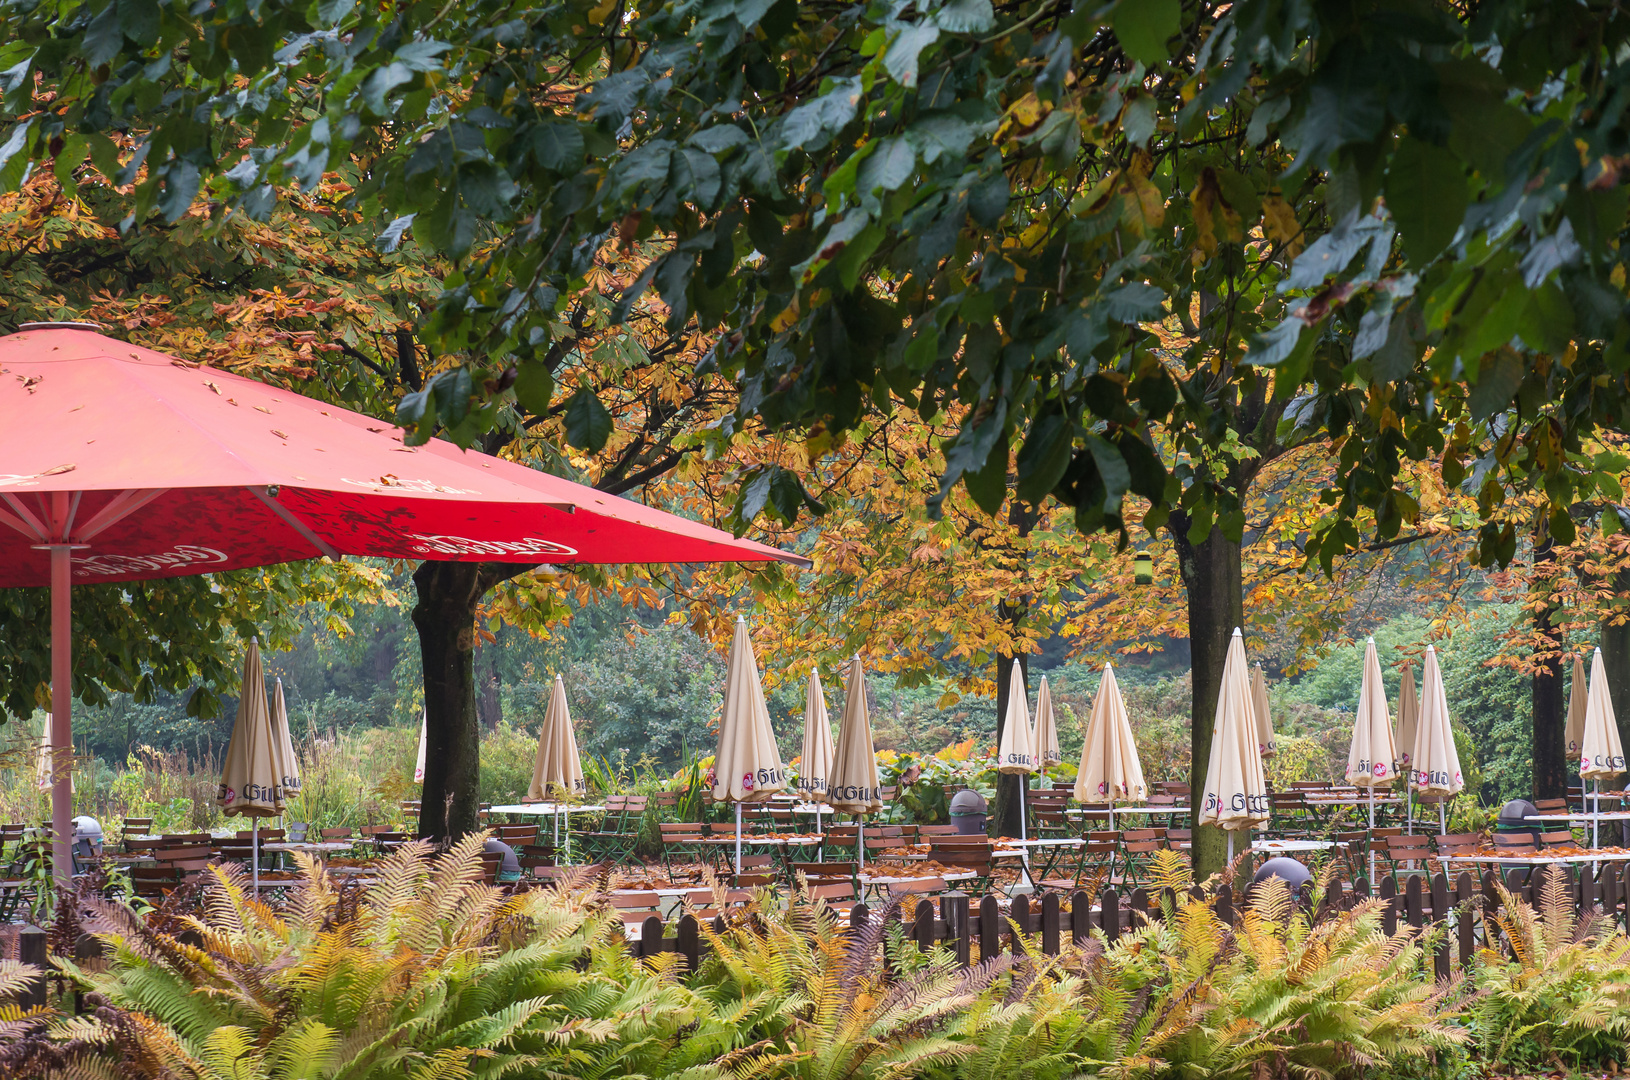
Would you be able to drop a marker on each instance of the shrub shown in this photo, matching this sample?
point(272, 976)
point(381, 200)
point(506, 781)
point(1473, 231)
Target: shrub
point(1563, 995)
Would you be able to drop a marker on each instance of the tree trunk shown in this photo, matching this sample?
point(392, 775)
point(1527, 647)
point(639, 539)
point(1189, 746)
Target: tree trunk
point(1614, 642)
point(1548, 749)
point(488, 708)
point(1009, 786)
point(1213, 580)
point(449, 593)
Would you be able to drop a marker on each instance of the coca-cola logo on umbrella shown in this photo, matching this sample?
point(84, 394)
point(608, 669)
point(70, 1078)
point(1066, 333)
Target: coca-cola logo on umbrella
point(182, 555)
point(433, 544)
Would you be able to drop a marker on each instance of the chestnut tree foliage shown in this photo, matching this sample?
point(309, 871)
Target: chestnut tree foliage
point(1394, 224)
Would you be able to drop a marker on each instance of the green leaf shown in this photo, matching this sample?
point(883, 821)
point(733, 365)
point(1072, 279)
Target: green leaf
point(887, 167)
point(421, 55)
point(557, 146)
point(588, 423)
point(1426, 195)
point(965, 17)
point(534, 388)
point(1113, 470)
point(139, 19)
point(1045, 456)
point(900, 60)
point(988, 483)
point(1144, 26)
point(103, 37)
point(1199, 523)
point(1498, 376)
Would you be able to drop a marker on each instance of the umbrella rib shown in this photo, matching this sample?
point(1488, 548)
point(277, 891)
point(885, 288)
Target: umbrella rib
point(118, 508)
point(295, 523)
point(25, 522)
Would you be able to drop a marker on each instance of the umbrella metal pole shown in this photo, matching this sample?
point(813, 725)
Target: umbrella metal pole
point(254, 854)
point(1230, 845)
point(738, 839)
point(1369, 836)
point(1443, 819)
point(568, 832)
point(62, 691)
point(1596, 818)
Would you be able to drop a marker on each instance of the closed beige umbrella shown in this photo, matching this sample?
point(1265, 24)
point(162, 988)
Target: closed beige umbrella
point(1017, 752)
point(1236, 793)
point(747, 766)
point(1259, 708)
point(1577, 697)
point(1434, 760)
point(42, 771)
point(557, 771)
point(1110, 768)
point(1371, 753)
point(1046, 737)
point(1601, 754)
point(853, 786)
point(252, 775)
point(1408, 721)
point(290, 781)
point(815, 764)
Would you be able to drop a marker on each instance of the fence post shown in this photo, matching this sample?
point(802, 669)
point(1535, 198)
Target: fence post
point(859, 916)
point(1440, 915)
point(1224, 904)
point(650, 936)
point(1050, 924)
point(1361, 889)
point(1413, 902)
point(1465, 891)
point(1109, 915)
point(990, 928)
point(1080, 916)
point(1333, 898)
point(1137, 909)
point(1389, 909)
point(922, 928)
point(1587, 891)
point(1021, 921)
point(31, 950)
point(954, 909)
point(688, 943)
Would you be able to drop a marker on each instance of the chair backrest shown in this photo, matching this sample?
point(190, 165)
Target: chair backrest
point(1551, 806)
point(1515, 840)
point(704, 904)
point(151, 881)
point(970, 856)
point(1557, 838)
point(676, 832)
point(1458, 842)
point(826, 871)
point(614, 804)
point(886, 843)
point(1134, 835)
point(666, 800)
point(1179, 836)
point(637, 907)
point(514, 835)
point(756, 862)
point(636, 804)
point(187, 859)
point(340, 832)
point(753, 881)
point(936, 830)
point(1112, 835)
point(374, 830)
point(833, 892)
point(917, 887)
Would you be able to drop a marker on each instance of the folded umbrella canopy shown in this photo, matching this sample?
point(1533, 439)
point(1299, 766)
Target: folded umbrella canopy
point(1408, 721)
point(1601, 754)
point(1045, 741)
point(853, 786)
point(1371, 753)
point(285, 739)
point(1016, 753)
point(1434, 761)
point(557, 771)
point(1236, 792)
point(121, 464)
point(1110, 768)
point(815, 764)
point(253, 774)
point(1578, 695)
point(1259, 708)
point(747, 765)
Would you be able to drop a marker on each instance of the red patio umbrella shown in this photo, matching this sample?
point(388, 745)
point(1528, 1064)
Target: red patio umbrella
point(118, 463)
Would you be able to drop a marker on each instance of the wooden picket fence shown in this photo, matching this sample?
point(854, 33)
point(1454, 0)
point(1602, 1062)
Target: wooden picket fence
point(1419, 901)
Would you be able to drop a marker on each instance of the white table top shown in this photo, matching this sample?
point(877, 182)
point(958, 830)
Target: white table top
point(319, 846)
point(749, 840)
point(542, 809)
point(875, 879)
point(1158, 808)
point(1352, 800)
point(1057, 841)
point(1540, 860)
point(1605, 815)
point(1291, 845)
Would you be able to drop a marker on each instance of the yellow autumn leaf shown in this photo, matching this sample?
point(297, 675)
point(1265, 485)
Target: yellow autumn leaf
point(598, 15)
point(1281, 224)
point(1142, 208)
